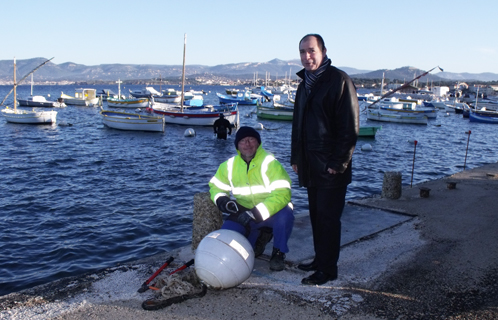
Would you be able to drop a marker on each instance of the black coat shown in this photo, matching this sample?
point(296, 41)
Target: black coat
point(325, 129)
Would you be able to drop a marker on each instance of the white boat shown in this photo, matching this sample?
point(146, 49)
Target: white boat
point(40, 101)
point(16, 115)
point(147, 92)
point(205, 116)
point(132, 121)
point(82, 97)
point(379, 114)
point(193, 116)
point(29, 116)
point(169, 96)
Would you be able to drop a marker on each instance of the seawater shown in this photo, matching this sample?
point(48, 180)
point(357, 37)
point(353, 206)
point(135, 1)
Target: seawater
point(78, 196)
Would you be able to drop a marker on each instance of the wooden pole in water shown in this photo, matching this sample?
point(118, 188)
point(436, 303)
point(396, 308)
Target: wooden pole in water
point(183, 72)
point(466, 151)
point(413, 165)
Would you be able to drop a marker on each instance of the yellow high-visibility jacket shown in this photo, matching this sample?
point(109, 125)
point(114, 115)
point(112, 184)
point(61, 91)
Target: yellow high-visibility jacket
point(263, 186)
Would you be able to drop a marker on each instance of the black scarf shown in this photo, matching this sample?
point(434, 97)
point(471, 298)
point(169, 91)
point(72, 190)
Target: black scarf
point(310, 78)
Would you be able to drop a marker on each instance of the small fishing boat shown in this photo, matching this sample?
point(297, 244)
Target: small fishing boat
point(146, 92)
point(368, 131)
point(379, 114)
point(40, 101)
point(242, 98)
point(169, 96)
point(132, 121)
point(474, 117)
point(128, 103)
point(275, 113)
point(82, 97)
point(193, 116)
point(21, 116)
point(205, 116)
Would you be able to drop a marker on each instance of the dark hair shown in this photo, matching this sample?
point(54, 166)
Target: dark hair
point(319, 39)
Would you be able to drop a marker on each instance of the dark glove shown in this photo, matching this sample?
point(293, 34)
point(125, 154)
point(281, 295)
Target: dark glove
point(227, 205)
point(245, 217)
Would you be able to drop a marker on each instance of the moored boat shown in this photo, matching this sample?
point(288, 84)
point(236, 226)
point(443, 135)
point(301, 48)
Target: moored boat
point(21, 116)
point(128, 103)
point(474, 117)
point(391, 116)
point(368, 131)
point(132, 121)
point(283, 113)
point(242, 98)
point(82, 97)
point(41, 102)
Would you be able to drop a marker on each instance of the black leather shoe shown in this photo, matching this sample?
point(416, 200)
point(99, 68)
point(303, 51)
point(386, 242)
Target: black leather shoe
point(312, 266)
point(318, 278)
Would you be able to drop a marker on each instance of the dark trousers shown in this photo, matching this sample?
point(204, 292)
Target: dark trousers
point(326, 206)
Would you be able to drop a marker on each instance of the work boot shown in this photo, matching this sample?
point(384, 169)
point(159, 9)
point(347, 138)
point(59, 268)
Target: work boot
point(277, 260)
point(265, 236)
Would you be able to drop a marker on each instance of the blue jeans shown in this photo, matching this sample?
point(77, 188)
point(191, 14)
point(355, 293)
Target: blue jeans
point(281, 223)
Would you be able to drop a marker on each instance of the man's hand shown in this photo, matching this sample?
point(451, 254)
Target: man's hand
point(227, 205)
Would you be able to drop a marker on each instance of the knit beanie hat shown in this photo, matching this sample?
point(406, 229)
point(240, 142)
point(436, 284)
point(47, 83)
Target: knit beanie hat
point(244, 132)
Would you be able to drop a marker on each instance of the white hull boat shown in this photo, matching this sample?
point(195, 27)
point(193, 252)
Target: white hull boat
point(29, 117)
point(82, 97)
point(397, 117)
point(132, 121)
point(21, 116)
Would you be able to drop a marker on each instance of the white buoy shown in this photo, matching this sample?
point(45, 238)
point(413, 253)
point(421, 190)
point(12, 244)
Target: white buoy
point(189, 132)
point(366, 147)
point(224, 259)
point(259, 126)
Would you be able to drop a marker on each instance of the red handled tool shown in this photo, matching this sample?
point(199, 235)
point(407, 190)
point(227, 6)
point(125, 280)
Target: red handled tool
point(185, 266)
point(145, 285)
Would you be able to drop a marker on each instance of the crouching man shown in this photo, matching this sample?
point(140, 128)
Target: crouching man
point(262, 191)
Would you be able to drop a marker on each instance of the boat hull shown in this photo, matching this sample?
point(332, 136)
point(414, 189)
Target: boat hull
point(274, 114)
point(368, 131)
point(128, 103)
point(197, 117)
point(390, 116)
point(132, 122)
point(29, 117)
point(473, 117)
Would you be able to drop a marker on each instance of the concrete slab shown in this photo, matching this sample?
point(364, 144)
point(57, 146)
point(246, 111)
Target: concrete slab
point(357, 223)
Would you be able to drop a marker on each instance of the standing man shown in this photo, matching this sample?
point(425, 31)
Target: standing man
point(324, 133)
point(262, 191)
point(221, 126)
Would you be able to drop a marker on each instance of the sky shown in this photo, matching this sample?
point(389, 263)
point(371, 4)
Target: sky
point(457, 35)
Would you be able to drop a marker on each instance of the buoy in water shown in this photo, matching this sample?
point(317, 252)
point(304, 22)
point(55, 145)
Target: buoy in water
point(189, 132)
point(366, 147)
point(259, 126)
point(224, 259)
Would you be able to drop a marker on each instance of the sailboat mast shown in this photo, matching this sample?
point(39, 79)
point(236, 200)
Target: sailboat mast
point(15, 86)
point(183, 72)
point(31, 84)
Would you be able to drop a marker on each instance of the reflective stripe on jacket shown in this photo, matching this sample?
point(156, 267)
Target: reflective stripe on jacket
point(264, 184)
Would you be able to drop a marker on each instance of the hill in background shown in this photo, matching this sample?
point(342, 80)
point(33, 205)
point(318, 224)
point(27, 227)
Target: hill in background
point(246, 71)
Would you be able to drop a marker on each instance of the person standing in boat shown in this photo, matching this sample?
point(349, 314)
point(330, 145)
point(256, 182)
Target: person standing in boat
point(324, 132)
point(262, 191)
point(221, 127)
